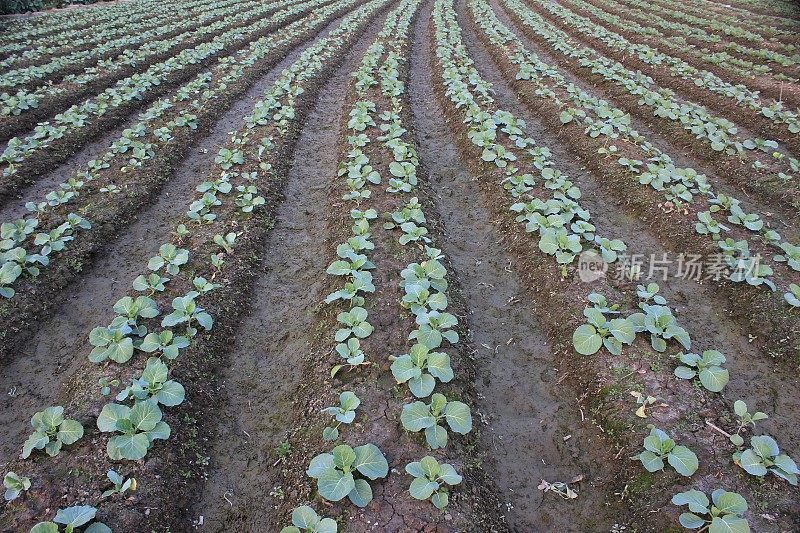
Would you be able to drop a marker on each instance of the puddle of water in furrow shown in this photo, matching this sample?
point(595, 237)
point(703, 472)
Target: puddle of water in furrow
point(267, 359)
point(679, 153)
point(56, 349)
point(529, 413)
point(757, 379)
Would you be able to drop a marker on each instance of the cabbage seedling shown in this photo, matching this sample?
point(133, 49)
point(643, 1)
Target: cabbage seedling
point(662, 326)
point(51, 431)
point(305, 519)
point(151, 284)
point(707, 368)
point(724, 516)
point(417, 416)
point(73, 517)
point(430, 480)
point(15, 485)
point(589, 338)
point(765, 456)
point(121, 485)
point(130, 311)
point(226, 242)
point(186, 311)
point(351, 352)
point(745, 419)
point(153, 385)
point(344, 413)
point(171, 257)
point(433, 327)
point(420, 368)
point(164, 342)
point(9, 273)
point(658, 446)
point(355, 324)
point(335, 472)
point(111, 342)
point(139, 426)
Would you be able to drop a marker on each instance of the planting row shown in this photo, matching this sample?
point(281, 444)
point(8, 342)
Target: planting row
point(546, 203)
point(199, 266)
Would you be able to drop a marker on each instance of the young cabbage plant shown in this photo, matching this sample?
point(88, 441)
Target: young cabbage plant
point(72, 517)
point(724, 516)
point(15, 485)
point(138, 427)
point(51, 431)
point(355, 324)
point(427, 275)
point(420, 300)
point(658, 446)
point(151, 284)
point(745, 419)
point(434, 326)
point(413, 233)
point(165, 343)
point(169, 256)
point(352, 353)
point(186, 311)
point(344, 413)
point(707, 368)
point(154, 385)
point(764, 456)
point(431, 480)
point(131, 310)
point(121, 485)
point(650, 293)
point(111, 342)
point(420, 368)
point(9, 273)
point(589, 338)
point(203, 286)
point(792, 297)
point(659, 321)
point(226, 242)
point(305, 519)
point(335, 472)
point(790, 255)
point(417, 416)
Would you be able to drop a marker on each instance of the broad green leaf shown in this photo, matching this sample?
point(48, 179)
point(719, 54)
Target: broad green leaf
point(361, 494)
point(752, 463)
point(729, 524)
point(458, 417)
point(75, 516)
point(416, 416)
point(370, 461)
point(436, 436)
point(586, 340)
point(145, 415)
point(651, 461)
point(343, 456)
point(730, 503)
point(695, 499)
point(70, 431)
point(683, 460)
point(334, 484)
point(133, 447)
point(691, 521)
point(714, 378)
point(305, 517)
point(421, 488)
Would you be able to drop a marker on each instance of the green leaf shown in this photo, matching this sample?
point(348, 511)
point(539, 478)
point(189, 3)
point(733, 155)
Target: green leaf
point(361, 494)
point(440, 500)
point(683, 460)
point(145, 415)
point(416, 416)
point(714, 378)
point(370, 461)
point(421, 488)
point(70, 431)
point(752, 463)
point(695, 499)
point(586, 340)
point(133, 447)
point(765, 446)
point(651, 461)
point(75, 516)
point(334, 484)
point(730, 503)
point(45, 527)
point(458, 417)
point(436, 437)
point(729, 524)
point(343, 456)
point(691, 521)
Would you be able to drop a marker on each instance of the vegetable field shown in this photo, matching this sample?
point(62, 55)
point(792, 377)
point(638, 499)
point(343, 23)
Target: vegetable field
point(401, 265)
